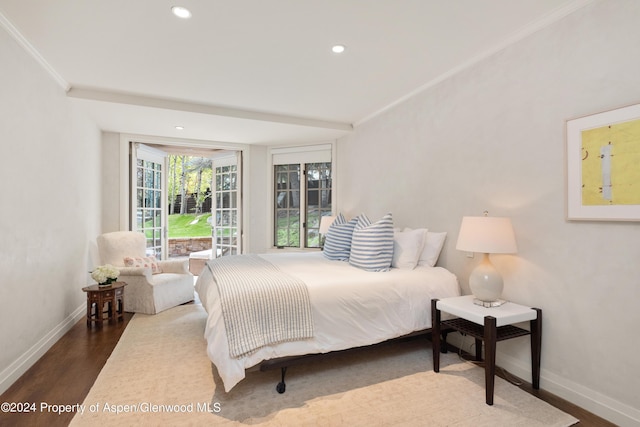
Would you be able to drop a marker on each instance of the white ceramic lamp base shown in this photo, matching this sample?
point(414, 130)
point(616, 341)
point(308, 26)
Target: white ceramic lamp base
point(486, 283)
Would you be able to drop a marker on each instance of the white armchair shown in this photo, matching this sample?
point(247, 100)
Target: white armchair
point(145, 292)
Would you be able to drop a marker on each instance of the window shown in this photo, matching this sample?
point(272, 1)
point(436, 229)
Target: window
point(302, 193)
point(287, 215)
point(318, 200)
point(300, 203)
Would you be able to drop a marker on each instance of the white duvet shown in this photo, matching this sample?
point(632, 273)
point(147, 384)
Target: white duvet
point(350, 308)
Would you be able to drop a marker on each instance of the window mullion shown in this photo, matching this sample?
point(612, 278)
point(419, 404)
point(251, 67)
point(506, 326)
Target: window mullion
point(303, 206)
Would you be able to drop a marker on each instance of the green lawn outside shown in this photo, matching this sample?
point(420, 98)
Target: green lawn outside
point(189, 225)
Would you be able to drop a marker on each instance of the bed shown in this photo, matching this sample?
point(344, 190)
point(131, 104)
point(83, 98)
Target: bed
point(350, 308)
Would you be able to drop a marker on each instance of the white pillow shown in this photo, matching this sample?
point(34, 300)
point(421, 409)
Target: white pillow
point(407, 248)
point(372, 244)
point(433, 245)
point(148, 261)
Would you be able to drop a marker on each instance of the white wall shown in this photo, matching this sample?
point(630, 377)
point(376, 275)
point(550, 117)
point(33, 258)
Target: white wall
point(50, 211)
point(257, 239)
point(112, 182)
point(492, 137)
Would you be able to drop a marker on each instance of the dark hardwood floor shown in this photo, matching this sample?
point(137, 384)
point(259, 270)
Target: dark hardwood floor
point(65, 374)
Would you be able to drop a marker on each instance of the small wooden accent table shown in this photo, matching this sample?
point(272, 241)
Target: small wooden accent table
point(488, 325)
point(98, 296)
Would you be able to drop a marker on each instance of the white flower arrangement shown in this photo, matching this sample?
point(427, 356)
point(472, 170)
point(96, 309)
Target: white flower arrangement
point(105, 274)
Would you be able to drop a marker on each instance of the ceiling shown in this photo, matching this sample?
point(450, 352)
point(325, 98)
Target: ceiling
point(256, 71)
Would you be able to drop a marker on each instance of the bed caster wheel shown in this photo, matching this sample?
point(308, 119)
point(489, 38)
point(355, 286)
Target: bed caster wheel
point(281, 387)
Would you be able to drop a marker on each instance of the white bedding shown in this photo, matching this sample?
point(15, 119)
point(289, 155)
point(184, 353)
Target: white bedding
point(350, 308)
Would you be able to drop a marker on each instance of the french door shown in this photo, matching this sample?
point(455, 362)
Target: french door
point(227, 204)
point(149, 214)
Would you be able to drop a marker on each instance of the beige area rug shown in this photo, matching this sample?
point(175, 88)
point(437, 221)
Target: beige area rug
point(159, 374)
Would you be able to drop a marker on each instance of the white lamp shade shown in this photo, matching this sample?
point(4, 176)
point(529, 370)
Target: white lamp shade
point(485, 234)
point(325, 223)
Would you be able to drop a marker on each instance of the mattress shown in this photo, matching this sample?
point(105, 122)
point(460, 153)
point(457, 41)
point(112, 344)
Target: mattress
point(350, 308)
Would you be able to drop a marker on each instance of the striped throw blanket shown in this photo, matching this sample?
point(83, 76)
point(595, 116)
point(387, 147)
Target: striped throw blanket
point(261, 305)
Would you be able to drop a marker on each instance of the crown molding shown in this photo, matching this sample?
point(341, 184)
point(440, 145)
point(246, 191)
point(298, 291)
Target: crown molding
point(22, 41)
point(532, 28)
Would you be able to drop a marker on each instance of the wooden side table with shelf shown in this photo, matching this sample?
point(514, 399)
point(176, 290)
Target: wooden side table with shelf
point(98, 296)
point(488, 325)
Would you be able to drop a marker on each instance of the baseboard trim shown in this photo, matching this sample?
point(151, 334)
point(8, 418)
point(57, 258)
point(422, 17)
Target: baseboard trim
point(14, 371)
point(588, 399)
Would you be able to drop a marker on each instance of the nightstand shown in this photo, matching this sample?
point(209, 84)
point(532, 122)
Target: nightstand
point(488, 325)
point(98, 296)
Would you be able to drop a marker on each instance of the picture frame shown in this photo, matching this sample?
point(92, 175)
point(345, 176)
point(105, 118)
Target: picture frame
point(603, 166)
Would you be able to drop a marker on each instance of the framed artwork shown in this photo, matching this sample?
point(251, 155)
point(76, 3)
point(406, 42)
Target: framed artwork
point(603, 166)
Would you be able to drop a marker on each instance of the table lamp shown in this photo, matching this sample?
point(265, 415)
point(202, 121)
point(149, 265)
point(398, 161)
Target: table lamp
point(325, 223)
point(486, 235)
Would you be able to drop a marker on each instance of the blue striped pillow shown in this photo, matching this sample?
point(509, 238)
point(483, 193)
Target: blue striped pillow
point(337, 244)
point(372, 244)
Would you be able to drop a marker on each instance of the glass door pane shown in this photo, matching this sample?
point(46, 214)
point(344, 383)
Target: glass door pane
point(148, 196)
point(227, 235)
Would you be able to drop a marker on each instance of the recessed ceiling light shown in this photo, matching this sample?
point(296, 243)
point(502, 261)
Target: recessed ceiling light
point(180, 127)
point(338, 48)
point(181, 12)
